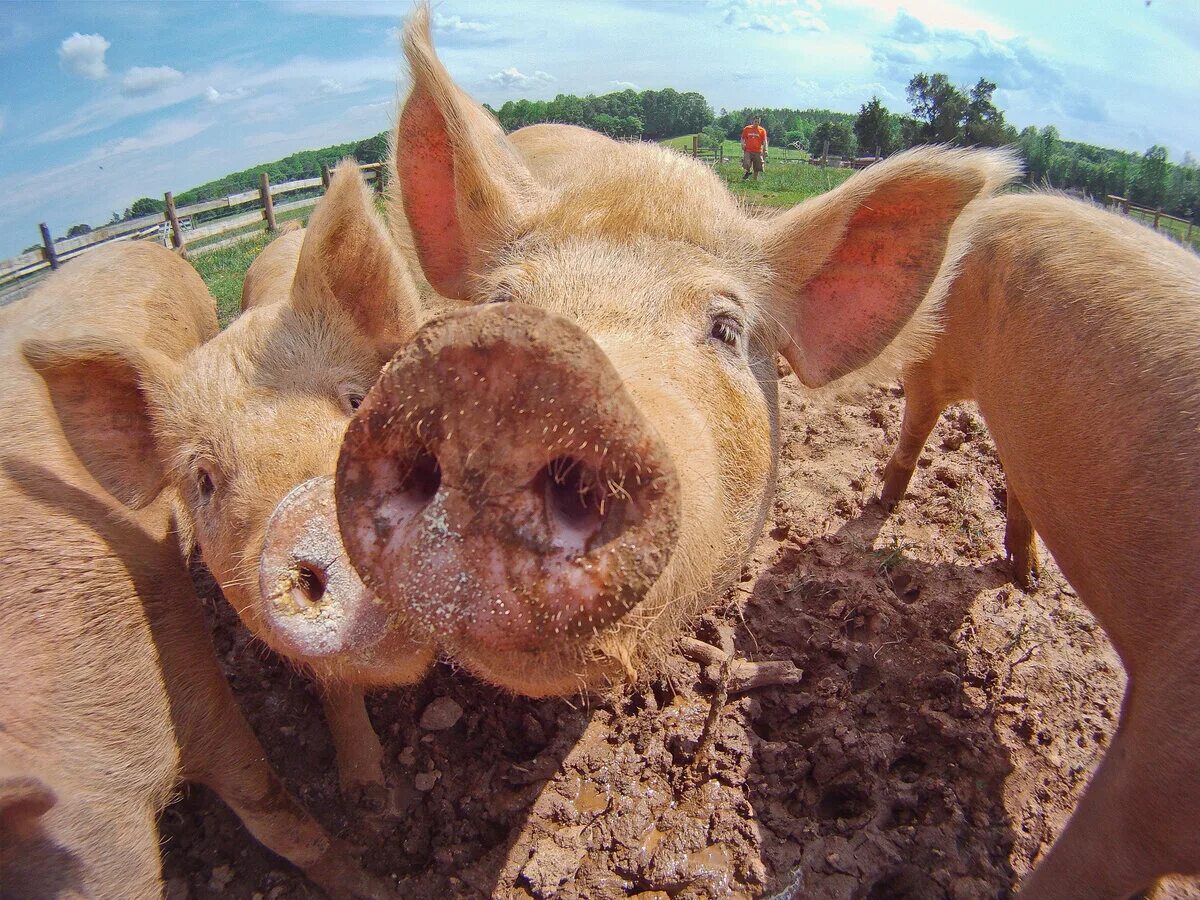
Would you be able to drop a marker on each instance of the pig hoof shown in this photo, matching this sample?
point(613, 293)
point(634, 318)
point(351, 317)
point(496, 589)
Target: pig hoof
point(1025, 575)
point(338, 875)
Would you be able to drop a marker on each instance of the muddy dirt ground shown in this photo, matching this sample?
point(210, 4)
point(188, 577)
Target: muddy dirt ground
point(944, 727)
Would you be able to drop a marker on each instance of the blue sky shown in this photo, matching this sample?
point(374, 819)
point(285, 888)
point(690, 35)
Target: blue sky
point(101, 103)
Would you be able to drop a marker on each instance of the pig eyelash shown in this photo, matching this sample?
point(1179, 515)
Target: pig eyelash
point(726, 329)
point(205, 487)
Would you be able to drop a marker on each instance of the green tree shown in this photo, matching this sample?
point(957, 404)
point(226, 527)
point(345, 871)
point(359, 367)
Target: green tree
point(939, 106)
point(372, 149)
point(78, 230)
point(837, 136)
point(1150, 182)
point(983, 123)
point(873, 128)
point(145, 206)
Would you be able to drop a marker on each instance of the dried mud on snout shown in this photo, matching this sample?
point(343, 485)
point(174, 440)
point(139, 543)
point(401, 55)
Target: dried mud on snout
point(944, 728)
point(499, 486)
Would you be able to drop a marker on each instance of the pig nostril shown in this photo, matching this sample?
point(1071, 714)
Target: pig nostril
point(308, 584)
point(576, 500)
point(424, 476)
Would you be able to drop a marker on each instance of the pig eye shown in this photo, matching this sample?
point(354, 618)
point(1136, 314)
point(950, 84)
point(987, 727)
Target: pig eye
point(503, 295)
point(351, 399)
point(726, 329)
point(204, 485)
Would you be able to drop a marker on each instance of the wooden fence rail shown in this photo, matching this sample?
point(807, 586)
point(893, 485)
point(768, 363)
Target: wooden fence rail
point(1123, 204)
point(174, 225)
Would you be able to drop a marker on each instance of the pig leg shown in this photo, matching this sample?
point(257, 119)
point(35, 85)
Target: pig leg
point(359, 753)
point(1140, 816)
point(921, 411)
point(218, 749)
point(1020, 544)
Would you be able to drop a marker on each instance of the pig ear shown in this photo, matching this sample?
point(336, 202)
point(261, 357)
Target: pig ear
point(100, 393)
point(853, 266)
point(348, 261)
point(464, 190)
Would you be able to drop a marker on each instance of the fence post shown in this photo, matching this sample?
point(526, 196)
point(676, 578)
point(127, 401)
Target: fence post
point(48, 245)
point(1157, 214)
point(379, 179)
point(1188, 238)
point(324, 176)
point(264, 191)
point(173, 218)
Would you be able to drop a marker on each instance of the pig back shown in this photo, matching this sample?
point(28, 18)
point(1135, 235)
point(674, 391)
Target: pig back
point(89, 588)
point(1089, 379)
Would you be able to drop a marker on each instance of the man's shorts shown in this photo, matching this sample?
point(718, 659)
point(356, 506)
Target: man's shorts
point(752, 161)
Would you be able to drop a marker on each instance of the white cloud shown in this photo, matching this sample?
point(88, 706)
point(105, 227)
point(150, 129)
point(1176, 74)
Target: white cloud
point(513, 77)
point(83, 55)
point(775, 16)
point(294, 77)
point(459, 24)
point(331, 87)
point(625, 86)
point(148, 79)
point(212, 95)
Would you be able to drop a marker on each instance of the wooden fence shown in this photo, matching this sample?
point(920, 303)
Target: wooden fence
point(174, 226)
point(1155, 215)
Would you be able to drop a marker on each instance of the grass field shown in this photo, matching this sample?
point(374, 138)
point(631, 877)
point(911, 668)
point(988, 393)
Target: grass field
point(1170, 227)
point(733, 149)
point(224, 270)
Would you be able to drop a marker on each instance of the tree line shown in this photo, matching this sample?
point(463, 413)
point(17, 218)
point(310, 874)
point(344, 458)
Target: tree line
point(939, 112)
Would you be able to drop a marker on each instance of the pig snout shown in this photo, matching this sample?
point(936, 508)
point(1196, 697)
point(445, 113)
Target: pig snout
point(314, 603)
point(500, 485)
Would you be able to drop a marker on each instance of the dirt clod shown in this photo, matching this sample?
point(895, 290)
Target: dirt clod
point(441, 714)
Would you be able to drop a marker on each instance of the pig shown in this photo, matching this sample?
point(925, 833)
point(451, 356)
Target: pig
point(551, 480)
point(1078, 334)
point(246, 428)
point(269, 278)
point(112, 689)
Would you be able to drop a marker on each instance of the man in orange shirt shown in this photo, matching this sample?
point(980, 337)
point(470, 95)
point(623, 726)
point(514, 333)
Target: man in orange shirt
point(754, 148)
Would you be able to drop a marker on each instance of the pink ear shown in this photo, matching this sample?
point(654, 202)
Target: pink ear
point(425, 166)
point(853, 266)
point(464, 189)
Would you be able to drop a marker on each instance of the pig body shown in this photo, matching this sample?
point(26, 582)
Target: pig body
point(269, 278)
point(1078, 334)
point(246, 430)
point(113, 693)
point(549, 482)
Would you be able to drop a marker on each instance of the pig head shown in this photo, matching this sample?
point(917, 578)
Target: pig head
point(551, 480)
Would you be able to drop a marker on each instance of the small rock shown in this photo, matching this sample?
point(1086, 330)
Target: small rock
point(425, 781)
point(441, 714)
point(407, 757)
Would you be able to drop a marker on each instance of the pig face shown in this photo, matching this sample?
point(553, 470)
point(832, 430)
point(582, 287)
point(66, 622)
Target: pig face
point(247, 429)
point(550, 481)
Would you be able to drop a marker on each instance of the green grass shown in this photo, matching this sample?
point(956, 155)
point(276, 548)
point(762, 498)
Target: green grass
point(1177, 230)
point(224, 270)
point(733, 150)
point(782, 184)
